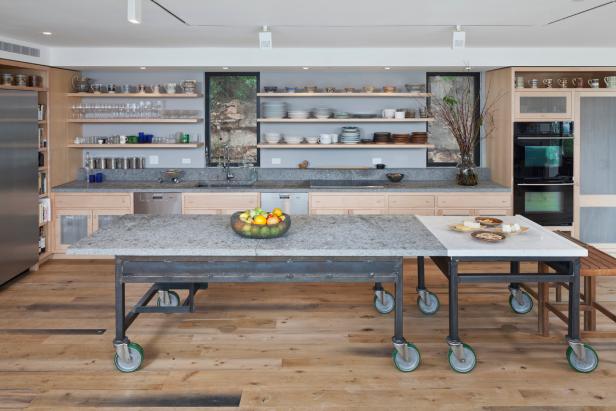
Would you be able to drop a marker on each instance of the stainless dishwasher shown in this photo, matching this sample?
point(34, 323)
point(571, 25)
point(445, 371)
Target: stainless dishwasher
point(157, 203)
point(290, 203)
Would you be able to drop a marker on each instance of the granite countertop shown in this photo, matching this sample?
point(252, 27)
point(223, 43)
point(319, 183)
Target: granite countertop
point(209, 235)
point(272, 186)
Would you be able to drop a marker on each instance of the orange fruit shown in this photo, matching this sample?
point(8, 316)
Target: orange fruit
point(272, 220)
point(260, 220)
point(277, 212)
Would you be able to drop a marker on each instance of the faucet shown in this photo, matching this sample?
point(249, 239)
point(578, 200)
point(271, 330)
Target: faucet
point(226, 162)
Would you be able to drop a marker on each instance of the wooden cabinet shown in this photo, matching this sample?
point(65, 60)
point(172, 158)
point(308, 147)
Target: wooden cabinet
point(218, 203)
point(348, 203)
point(541, 105)
point(77, 215)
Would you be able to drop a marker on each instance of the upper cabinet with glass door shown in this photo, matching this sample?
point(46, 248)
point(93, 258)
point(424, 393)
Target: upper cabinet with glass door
point(543, 105)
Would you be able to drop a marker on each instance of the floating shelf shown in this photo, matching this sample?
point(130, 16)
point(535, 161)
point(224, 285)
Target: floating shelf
point(23, 88)
point(137, 146)
point(134, 95)
point(134, 120)
point(353, 146)
point(380, 94)
point(344, 120)
point(563, 89)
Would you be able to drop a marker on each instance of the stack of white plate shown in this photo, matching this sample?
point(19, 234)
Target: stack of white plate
point(272, 138)
point(293, 139)
point(298, 114)
point(350, 135)
point(274, 109)
point(322, 113)
point(312, 139)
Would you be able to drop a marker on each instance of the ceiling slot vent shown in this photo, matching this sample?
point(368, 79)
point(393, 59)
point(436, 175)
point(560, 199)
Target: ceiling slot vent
point(19, 49)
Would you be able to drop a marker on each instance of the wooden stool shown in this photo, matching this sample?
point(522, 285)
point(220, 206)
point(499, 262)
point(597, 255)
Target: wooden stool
point(596, 264)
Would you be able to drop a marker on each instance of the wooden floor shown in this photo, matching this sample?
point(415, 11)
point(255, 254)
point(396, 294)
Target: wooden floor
point(281, 347)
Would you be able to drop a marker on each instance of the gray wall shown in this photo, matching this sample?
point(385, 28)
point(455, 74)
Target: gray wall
point(185, 158)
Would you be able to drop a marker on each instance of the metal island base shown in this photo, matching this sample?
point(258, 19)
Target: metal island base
point(194, 273)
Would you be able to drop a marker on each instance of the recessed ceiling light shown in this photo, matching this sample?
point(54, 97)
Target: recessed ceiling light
point(134, 11)
point(142, 67)
point(225, 68)
point(306, 68)
point(387, 68)
point(47, 33)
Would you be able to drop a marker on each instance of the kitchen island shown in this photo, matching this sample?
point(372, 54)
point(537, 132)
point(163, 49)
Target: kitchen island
point(188, 252)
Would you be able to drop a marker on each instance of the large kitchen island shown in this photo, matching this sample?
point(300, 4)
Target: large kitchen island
point(189, 252)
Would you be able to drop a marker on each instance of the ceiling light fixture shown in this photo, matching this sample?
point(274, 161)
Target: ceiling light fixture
point(265, 38)
point(225, 68)
point(47, 33)
point(134, 11)
point(459, 38)
point(387, 68)
point(306, 68)
point(142, 68)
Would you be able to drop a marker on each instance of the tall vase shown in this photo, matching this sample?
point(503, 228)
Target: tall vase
point(467, 175)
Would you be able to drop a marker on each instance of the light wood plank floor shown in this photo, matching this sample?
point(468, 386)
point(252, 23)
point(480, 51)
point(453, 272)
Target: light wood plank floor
point(281, 347)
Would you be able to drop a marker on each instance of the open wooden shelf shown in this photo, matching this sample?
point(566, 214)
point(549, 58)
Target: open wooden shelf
point(353, 146)
point(344, 120)
point(562, 89)
point(134, 95)
point(134, 120)
point(137, 146)
point(379, 94)
point(22, 88)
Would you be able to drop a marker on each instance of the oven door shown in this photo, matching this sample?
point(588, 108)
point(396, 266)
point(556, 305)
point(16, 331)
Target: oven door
point(544, 203)
point(540, 158)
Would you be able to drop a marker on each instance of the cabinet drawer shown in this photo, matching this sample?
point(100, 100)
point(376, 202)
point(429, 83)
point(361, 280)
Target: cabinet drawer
point(108, 201)
point(410, 201)
point(498, 211)
point(329, 211)
point(349, 201)
point(210, 211)
point(411, 211)
point(455, 211)
point(475, 201)
point(368, 211)
point(221, 201)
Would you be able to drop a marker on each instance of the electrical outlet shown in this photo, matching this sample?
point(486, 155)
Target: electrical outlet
point(276, 160)
point(153, 160)
point(186, 161)
point(377, 160)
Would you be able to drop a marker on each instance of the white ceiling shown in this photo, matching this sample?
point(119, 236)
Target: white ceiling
point(311, 23)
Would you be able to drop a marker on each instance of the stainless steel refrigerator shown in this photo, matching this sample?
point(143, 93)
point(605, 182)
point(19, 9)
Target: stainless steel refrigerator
point(18, 182)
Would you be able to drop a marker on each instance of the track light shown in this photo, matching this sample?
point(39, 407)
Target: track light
point(265, 38)
point(134, 11)
point(459, 38)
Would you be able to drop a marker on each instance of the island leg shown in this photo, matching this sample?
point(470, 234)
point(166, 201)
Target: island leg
point(405, 355)
point(427, 302)
point(461, 356)
point(519, 300)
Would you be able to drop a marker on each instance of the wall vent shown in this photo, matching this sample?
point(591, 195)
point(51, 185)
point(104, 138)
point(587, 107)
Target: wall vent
point(19, 49)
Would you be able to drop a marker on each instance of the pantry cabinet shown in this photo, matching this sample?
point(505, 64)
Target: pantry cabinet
point(78, 215)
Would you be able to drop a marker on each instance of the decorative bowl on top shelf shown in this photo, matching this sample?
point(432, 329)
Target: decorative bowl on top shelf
point(265, 231)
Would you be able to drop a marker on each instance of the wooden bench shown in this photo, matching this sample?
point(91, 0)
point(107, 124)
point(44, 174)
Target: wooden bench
point(595, 265)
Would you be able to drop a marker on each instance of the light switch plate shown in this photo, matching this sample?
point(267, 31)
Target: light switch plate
point(153, 160)
point(276, 160)
point(377, 160)
point(186, 161)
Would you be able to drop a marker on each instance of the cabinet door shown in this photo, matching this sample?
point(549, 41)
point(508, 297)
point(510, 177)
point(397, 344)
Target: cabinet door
point(226, 202)
point(368, 211)
point(70, 227)
point(329, 211)
point(543, 105)
point(492, 211)
point(411, 211)
point(455, 211)
point(101, 218)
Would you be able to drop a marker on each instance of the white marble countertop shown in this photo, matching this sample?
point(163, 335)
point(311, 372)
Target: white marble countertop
point(536, 242)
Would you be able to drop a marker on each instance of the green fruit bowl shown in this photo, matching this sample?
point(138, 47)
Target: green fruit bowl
point(248, 230)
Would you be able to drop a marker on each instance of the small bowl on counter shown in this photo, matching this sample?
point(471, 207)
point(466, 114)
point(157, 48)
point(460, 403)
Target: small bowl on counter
point(394, 177)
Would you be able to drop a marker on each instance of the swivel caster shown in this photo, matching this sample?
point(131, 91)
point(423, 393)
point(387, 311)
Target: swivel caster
point(384, 302)
point(582, 357)
point(519, 301)
point(462, 358)
point(171, 299)
point(427, 302)
point(406, 357)
point(128, 357)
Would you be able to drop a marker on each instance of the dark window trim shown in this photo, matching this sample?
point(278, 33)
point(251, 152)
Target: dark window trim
point(206, 91)
point(477, 81)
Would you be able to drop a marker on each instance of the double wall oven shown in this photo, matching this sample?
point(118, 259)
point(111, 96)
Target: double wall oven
point(543, 171)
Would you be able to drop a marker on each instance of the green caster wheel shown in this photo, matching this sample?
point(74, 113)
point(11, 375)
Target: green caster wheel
point(413, 361)
point(386, 305)
point(430, 305)
point(135, 361)
point(523, 307)
point(463, 366)
point(174, 300)
point(588, 364)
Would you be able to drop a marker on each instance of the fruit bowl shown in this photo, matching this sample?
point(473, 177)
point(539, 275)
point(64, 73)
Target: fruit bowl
point(265, 231)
